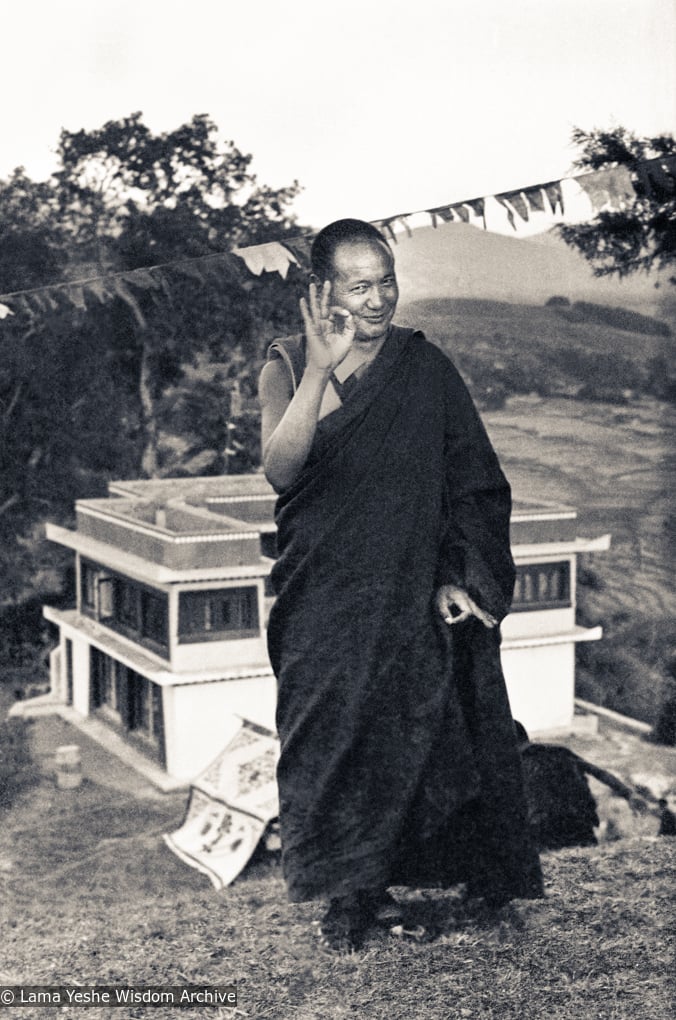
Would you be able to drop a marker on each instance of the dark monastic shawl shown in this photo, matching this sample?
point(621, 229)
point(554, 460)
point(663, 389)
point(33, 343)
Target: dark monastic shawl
point(398, 755)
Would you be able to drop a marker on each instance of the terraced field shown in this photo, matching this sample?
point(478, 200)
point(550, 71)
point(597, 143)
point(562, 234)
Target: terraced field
point(613, 465)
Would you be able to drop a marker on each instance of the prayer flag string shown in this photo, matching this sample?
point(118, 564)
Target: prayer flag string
point(615, 188)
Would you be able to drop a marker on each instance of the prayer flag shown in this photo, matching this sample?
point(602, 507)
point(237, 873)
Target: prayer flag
point(608, 188)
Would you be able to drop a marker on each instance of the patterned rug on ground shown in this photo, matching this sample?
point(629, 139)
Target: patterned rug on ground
point(230, 805)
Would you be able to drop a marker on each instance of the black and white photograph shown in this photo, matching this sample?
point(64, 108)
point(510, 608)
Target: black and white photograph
point(337, 388)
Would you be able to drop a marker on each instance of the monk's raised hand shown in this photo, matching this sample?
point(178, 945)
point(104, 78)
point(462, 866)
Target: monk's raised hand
point(329, 329)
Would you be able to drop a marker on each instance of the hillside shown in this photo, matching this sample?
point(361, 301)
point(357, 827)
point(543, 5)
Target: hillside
point(457, 260)
point(504, 348)
point(614, 465)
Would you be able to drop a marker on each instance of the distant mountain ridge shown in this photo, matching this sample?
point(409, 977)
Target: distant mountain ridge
point(460, 261)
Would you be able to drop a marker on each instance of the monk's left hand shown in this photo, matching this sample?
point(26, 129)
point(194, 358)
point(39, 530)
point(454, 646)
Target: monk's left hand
point(455, 605)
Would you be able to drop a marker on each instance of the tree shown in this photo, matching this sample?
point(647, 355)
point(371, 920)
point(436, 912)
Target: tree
point(31, 235)
point(133, 199)
point(82, 382)
point(642, 236)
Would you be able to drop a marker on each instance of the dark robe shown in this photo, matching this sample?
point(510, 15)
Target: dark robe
point(398, 759)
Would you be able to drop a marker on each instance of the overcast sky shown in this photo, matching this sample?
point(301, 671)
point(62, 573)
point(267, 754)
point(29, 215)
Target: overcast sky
point(377, 107)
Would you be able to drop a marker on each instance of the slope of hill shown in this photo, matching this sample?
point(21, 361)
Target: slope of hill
point(457, 260)
point(502, 348)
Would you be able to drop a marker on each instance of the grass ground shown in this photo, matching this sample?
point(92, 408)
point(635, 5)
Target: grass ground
point(91, 895)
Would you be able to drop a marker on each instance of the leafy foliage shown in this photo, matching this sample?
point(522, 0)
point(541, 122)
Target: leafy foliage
point(134, 199)
point(84, 391)
point(641, 237)
point(16, 771)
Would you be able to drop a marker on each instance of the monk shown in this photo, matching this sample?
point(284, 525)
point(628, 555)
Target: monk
point(399, 763)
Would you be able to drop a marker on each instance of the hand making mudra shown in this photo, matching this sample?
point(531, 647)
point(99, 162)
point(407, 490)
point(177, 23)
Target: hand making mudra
point(329, 330)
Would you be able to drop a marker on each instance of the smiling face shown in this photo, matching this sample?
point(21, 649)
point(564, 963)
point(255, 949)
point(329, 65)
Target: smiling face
point(364, 283)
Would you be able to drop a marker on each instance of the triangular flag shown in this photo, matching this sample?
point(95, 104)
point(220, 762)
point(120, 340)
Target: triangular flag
point(300, 249)
point(608, 188)
point(76, 295)
point(554, 193)
point(98, 287)
point(478, 207)
point(266, 258)
point(441, 212)
point(123, 291)
point(461, 210)
point(516, 201)
point(535, 198)
point(385, 227)
point(142, 278)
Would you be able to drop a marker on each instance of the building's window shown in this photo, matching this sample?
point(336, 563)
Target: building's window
point(126, 602)
point(144, 706)
point(542, 586)
point(69, 671)
point(88, 586)
point(95, 677)
point(218, 614)
point(139, 703)
point(95, 582)
point(154, 616)
point(125, 605)
point(109, 692)
point(129, 701)
point(105, 689)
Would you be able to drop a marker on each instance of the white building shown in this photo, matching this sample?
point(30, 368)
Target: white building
point(539, 634)
point(167, 638)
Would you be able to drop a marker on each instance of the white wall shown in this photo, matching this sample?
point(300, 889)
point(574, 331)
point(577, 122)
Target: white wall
point(541, 685)
point(57, 671)
point(203, 655)
point(197, 719)
point(81, 665)
point(538, 622)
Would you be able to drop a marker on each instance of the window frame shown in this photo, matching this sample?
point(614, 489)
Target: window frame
point(245, 625)
point(535, 572)
point(133, 624)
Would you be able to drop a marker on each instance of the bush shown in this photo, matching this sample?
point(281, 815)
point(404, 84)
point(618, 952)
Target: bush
point(16, 765)
point(633, 670)
point(664, 731)
point(557, 301)
point(589, 578)
point(618, 318)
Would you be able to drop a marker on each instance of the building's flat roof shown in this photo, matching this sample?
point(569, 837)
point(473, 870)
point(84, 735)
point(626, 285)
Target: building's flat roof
point(210, 488)
point(530, 509)
point(199, 488)
point(522, 551)
point(187, 527)
point(142, 569)
point(230, 489)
